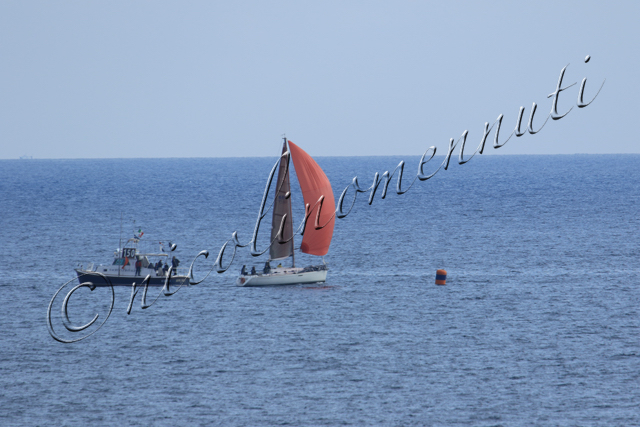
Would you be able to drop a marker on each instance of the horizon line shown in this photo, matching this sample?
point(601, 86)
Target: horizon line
point(27, 158)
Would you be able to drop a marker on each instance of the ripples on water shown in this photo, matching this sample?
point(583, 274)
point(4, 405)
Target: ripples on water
point(538, 323)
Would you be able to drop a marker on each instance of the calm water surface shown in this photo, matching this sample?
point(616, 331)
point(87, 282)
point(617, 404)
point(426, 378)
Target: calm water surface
point(538, 325)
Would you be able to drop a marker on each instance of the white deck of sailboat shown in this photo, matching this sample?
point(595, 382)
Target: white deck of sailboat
point(285, 276)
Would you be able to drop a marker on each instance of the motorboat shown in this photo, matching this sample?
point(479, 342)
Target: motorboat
point(131, 266)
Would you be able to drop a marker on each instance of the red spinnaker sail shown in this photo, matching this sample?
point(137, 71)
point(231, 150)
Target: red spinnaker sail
point(314, 184)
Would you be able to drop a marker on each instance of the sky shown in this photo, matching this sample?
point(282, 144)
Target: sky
point(142, 79)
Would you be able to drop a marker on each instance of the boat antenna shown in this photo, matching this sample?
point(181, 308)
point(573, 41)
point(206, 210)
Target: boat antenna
point(120, 241)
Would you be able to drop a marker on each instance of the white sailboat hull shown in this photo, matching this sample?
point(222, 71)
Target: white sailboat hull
point(284, 276)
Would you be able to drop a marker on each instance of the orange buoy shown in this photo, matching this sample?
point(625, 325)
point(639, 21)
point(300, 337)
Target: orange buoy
point(441, 277)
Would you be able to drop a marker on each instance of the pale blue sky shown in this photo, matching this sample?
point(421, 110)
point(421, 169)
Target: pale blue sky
point(89, 79)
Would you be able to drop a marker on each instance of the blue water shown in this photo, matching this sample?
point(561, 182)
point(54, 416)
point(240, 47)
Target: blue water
point(538, 324)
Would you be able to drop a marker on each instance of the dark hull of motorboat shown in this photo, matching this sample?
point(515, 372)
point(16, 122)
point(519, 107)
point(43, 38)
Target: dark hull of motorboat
point(109, 280)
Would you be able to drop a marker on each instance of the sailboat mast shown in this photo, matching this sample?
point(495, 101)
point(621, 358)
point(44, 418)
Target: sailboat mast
point(293, 252)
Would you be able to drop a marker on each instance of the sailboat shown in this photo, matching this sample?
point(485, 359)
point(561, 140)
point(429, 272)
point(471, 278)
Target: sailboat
point(320, 211)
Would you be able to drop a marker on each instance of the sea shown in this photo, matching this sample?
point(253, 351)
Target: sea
point(538, 323)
